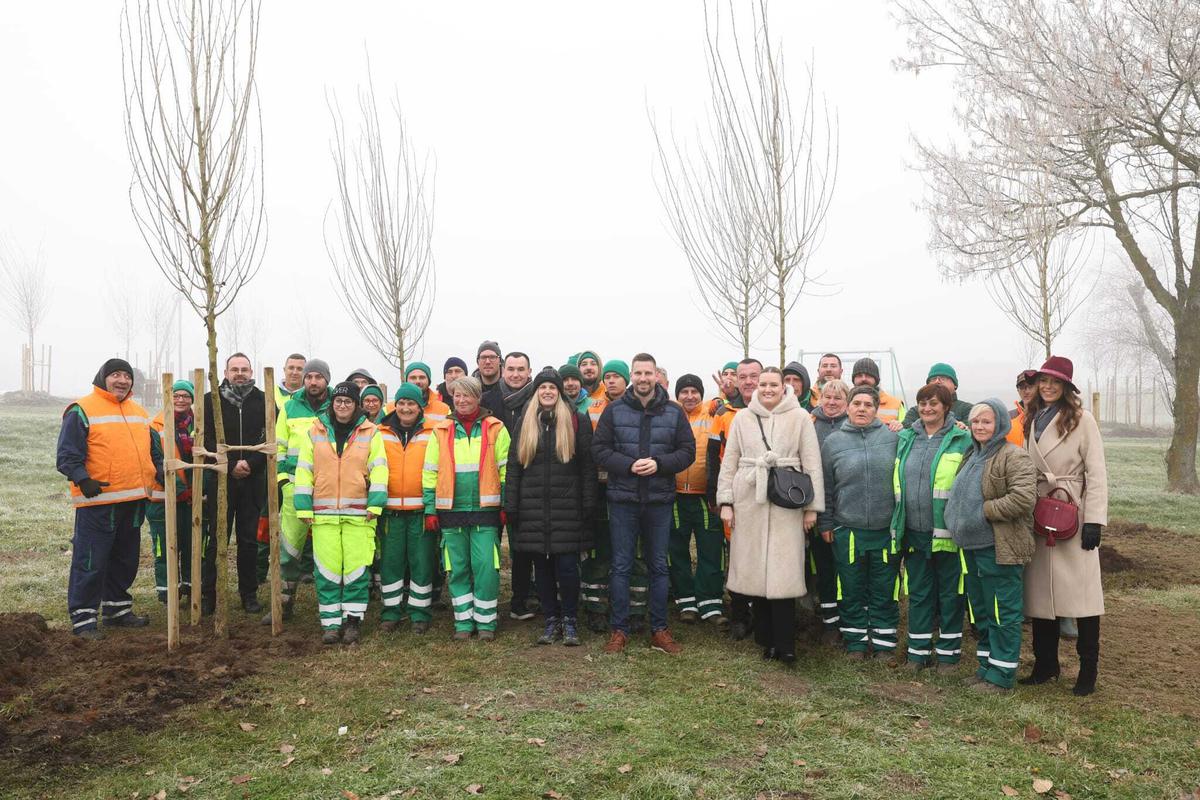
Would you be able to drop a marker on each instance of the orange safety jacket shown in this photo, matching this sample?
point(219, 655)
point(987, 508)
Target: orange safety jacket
point(341, 484)
point(597, 406)
point(118, 449)
point(489, 470)
point(435, 409)
point(694, 479)
point(159, 495)
point(1016, 434)
point(404, 468)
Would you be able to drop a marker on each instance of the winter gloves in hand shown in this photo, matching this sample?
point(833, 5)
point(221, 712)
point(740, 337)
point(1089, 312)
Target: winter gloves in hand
point(432, 525)
point(91, 487)
point(1090, 538)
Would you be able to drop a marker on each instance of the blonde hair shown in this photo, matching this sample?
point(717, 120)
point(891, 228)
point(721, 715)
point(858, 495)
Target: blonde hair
point(839, 387)
point(564, 431)
point(466, 385)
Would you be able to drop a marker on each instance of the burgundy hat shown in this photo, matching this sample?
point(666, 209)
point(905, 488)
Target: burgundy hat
point(1027, 376)
point(1061, 368)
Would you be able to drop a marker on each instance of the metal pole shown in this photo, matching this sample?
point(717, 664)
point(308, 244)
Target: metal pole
point(198, 500)
point(273, 506)
point(168, 448)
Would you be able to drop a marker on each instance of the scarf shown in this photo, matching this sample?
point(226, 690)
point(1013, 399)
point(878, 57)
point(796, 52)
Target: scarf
point(342, 430)
point(236, 394)
point(1043, 420)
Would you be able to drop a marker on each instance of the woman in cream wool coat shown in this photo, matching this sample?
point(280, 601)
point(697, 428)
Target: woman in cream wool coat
point(766, 546)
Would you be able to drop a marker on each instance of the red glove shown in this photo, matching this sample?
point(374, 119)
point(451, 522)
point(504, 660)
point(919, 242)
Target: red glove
point(264, 530)
point(432, 525)
point(504, 518)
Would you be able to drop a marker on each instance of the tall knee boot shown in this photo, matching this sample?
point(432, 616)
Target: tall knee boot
point(1088, 647)
point(1045, 652)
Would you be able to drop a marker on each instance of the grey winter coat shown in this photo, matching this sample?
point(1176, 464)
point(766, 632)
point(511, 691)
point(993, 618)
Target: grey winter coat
point(858, 464)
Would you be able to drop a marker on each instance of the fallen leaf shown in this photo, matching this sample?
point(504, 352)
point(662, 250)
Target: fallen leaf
point(508, 693)
point(366, 768)
point(550, 794)
point(625, 769)
point(760, 722)
point(426, 690)
point(286, 748)
point(1009, 791)
point(161, 794)
point(535, 741)
point(452, 758)
point(302, 701)
point(1062, 746)
point(186, 783)
point(326, 771)
point(1033, 733)
point(969, 739)
point(349, 795)
point(816, 774)
point(475, 788)
point(1061, 795)
point(247, 726)
point(287, 762)
point(761, 751)
point(240, 779)
point(799, 762)
point(1086, 731)
point(720, 685)
point(1041, 785)
point(921, 723)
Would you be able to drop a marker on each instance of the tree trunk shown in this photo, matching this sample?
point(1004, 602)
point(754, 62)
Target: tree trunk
point(1181, 455)
point(218, 526)
point(782, 299)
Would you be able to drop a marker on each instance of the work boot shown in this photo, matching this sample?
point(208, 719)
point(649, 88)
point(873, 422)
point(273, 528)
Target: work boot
point(616, 643)
point(596, 622)
point(461, 636)
point(129, 620)
point(689, 616)
point(486, 636)
point(552, 633)
point(570, 635)
point(389, 625)
point(420, 628)
point(663, 643)
point(719, 620)
point(251, 605)
point(987, 687)
point(287, 613)
point(331, 636)
point(90, 634)
point(350, 629)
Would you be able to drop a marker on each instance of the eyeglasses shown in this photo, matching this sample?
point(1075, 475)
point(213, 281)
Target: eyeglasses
point(488, 358)
point(343, 401)
point(181, 396)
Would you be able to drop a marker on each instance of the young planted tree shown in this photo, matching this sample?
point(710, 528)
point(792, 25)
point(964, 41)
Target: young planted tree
point(380, 232)
point(26, 294)
point(194, 135)
point(1097, 105)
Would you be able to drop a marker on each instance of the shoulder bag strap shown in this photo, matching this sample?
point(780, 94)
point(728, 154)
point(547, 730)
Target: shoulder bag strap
point(762, 431)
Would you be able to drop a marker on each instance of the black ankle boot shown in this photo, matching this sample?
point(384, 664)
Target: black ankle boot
point(1085, 684)
point(1045, 652)
point(1088, 648)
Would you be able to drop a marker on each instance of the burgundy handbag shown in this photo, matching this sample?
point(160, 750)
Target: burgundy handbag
point(1055, 518)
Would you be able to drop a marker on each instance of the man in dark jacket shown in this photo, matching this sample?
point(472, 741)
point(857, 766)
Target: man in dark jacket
point(642, 440)
point(507, 400)
point(243, 411)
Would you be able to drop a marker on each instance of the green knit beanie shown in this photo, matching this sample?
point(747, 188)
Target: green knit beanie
point(371, 389)
point(582, 354)
point(730, 365)
point(944, 370)
point(618, 366)
point(570, 371)
point(183, 385)
point(421, 365)
point(409, 391)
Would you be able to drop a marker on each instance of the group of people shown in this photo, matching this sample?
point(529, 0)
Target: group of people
point(603, 480)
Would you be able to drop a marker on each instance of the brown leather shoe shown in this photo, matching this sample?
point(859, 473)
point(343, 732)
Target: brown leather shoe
point(663, 642)
point(616, 643)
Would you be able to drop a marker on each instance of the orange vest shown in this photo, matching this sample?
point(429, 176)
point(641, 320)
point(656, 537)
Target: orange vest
point(435, 409)
point(597, 406)
point(692, 480)
point(404, 468)
point(159, 495)
point(118, 443)
point(341, 483)
point(1017, 434)
point(889, 407)
point(489, 470)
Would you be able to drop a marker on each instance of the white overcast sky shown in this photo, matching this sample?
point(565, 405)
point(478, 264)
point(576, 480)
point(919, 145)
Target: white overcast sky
point(549, 237)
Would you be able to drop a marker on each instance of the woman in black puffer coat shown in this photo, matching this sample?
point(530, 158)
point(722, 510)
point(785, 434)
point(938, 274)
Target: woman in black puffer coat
point(550, 498)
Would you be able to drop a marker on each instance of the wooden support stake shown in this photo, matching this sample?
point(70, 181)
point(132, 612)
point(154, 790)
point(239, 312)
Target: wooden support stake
point(197, 499)
point(172, 555)
point(273, 505)
point(1096, 406)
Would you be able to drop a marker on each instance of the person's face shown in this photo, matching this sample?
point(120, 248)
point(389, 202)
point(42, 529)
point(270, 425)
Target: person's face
point(238, 371)
point(465, 404)
point(419, 379)
point(728, 380)
point(119, 383)
point(829, 368)
point(614, 385)
point(181, 401)
point(315, 384)
point(645, 378)
point(747, 379)
point(343, 409)
point(983, 426)
point(1026, 391)
point(547, 395)
point(833, 403)
point(516, 372)
point(690, 398)
point(589, 368)
point(862, 410)
point(453, 374)
point(932, 412)
point(943, 380)
point(863, 379)
point(293, 373)
point(371, 404)
point(360, 382)
point(796, 382)
point(661, 378)
point(408, 411)
point(572, 386)
point(770, 389)
point(489, 365)
point(1050, 388)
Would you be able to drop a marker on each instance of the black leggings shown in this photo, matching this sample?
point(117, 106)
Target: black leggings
point(775, 624)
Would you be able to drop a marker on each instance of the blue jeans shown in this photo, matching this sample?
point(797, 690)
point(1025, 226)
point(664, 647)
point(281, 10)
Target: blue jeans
point(629, 522)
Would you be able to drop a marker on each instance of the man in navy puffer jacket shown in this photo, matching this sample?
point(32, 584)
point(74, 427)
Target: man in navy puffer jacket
point(642, 440)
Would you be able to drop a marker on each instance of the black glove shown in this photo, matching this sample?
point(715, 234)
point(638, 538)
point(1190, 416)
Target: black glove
point(90, 487)
point(1090, 538)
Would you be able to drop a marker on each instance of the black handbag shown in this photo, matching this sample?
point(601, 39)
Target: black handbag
point(787, 487)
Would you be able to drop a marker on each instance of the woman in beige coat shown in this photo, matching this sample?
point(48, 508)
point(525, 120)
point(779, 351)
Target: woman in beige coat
point(766, 546)
point(1064, 442)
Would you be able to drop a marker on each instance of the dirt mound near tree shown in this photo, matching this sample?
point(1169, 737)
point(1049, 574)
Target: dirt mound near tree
point(1136, 556)
point(58, 689)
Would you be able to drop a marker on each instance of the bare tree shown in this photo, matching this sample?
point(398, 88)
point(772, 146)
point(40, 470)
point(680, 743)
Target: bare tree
point(1099, 105)
point(194, 134)
point(123, 304)
point(160, 324)
point(26, 294)
point(380, 244)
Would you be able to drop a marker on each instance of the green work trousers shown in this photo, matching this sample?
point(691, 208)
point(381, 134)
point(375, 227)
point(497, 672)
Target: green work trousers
point(471, 556)
point(934, 584)
point(295, 545)
point(996, 594)
point(342, 551)
point(702, 590)
point(868, 589)
point(156, 516)
point(822, 574)
point(406, 549)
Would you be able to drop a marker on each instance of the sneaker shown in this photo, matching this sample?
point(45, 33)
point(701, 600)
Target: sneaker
point(351, 629)
point(689, 616)
point(420, 628)
point(90, 634)
point(129, 620)
point(331, 636)
point(389, 625)
point(486, 636)
point(570, 635)
point(251, 605)
point(662, 642)
point(520, 612)
point(616, 643)
point(552, 633)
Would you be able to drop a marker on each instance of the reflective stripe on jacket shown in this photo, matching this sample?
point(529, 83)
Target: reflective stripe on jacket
point(118, 449)
point(465, 470)
point(405, 464)
point(694, 479)
point(352, 484)
point(946, 462)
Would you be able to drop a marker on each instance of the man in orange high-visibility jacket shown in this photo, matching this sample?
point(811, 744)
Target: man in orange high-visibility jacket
point(104, 451)
point(1026, 389)
point(418, 374)
point(891, 409)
